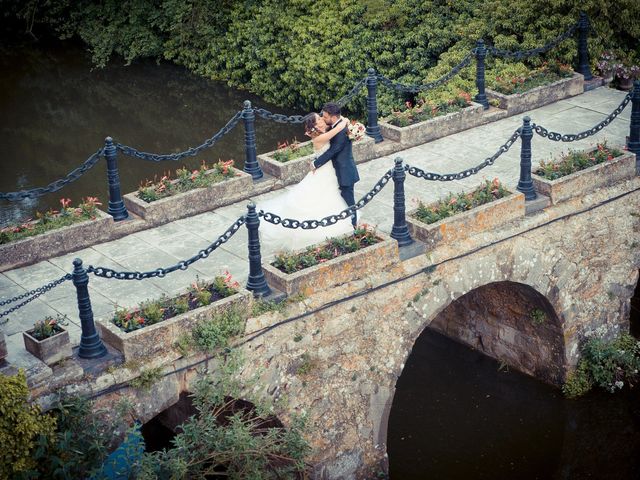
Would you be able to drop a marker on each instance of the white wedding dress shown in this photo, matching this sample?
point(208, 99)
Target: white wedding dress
point(315, 197)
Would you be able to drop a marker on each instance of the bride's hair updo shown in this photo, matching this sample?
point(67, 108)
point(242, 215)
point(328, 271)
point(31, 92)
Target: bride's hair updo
point(310, 128)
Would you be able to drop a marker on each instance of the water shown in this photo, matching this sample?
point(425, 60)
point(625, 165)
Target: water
point(55, 111)
point(457, 415)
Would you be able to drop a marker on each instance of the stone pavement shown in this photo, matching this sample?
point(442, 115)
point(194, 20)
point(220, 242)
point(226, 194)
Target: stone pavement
point(166, 245)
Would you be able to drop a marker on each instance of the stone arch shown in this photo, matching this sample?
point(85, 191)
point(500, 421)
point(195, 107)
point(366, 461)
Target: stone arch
point(550, 337)
point(634, 307)
point(510, 322)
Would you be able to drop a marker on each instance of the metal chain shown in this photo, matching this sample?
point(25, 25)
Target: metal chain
point(153, 157)
point(428, 86)
point(572, 137)
point(447, 177)
point(182, 265)
point(278, 117)
point(520, 54)
point(35, 293)
point(353, 93)
point(331, 219)
point(56, 185)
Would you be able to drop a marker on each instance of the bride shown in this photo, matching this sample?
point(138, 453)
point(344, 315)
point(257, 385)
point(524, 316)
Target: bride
point(315, 197)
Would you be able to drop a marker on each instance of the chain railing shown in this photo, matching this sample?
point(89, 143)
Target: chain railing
point(190, 152)
point(330, 219)
point(447, 177)
point(573, 137)
point(31, 295)
point(520, 54)
point(400, 87)
point(161, 272)
point(72, 176)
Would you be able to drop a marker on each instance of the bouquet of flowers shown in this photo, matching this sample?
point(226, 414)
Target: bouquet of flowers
point(356, 130)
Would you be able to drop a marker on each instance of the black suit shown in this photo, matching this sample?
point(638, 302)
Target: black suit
point(341, 156)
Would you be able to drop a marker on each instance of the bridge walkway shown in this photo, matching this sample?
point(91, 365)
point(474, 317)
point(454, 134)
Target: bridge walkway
point(167, 244)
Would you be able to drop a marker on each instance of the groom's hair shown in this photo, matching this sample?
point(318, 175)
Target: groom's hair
point(332, 109)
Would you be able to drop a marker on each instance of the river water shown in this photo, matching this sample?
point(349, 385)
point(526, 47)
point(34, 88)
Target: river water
point(457, 415)
point(55, 111)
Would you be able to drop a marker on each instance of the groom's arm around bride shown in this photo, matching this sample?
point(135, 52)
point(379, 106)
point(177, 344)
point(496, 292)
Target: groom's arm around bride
point(341, 155)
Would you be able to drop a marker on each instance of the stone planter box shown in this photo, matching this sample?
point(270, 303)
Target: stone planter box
point(438, 127)
point(50, 350)
point(295, 170)
point(190, 203)
point(56, 242)
point(480, 219)
point(161, 337)
point(539, 96)
point(579, 183)
point(336, 271)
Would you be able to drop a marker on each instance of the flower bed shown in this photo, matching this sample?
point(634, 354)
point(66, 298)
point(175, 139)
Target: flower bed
point(578, 172)
point(296, 164)
point(439, 126)
point(458, 216)
point(155, 326)
point(334, 262)
point(54, 233)
point(517, 93)
point(190, 193)
point(48, 341)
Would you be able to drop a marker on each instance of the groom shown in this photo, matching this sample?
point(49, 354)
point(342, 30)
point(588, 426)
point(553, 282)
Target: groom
point(341, 156)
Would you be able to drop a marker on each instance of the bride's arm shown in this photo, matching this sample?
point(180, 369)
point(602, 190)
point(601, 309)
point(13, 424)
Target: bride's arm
point(326, 136)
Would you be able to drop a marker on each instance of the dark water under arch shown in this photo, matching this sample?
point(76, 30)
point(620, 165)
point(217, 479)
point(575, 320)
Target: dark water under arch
point(459, 414)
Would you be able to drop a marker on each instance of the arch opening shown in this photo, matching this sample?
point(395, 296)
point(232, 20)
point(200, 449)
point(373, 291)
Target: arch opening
point(634, 316)
point(512, 323)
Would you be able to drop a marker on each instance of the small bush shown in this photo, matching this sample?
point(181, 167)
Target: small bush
point(575, 160)
point(608, 364)
point(216, 332)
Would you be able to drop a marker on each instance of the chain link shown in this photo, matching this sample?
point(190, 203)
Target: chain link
point(181, 265)
point(447, 177)
point(427, 86)
point(278, 117)
point(572, 137)
point(33, 294)
point(153, 157)
point(353, 93)
point(56, 185)
point(520, 54)
point(331, 219)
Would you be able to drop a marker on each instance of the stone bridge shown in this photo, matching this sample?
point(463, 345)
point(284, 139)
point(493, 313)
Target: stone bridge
point(525, 293)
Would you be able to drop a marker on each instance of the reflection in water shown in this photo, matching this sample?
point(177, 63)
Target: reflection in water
point(457, 415)
point(56, 112)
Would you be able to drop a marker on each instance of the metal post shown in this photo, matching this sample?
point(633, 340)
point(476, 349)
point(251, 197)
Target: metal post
point(91, 345)
point(583, 49)
point(633, 142)
point(481, 53)
point(373, 129)
point(251, 164)
point(400, 230)
point(525, 185)
point(116, 206)
point(256, 282)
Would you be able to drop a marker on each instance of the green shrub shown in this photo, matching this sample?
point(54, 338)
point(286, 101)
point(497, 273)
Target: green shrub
point(609, 364)
point(217, 331)
point(22, 425)
point(288, 55)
